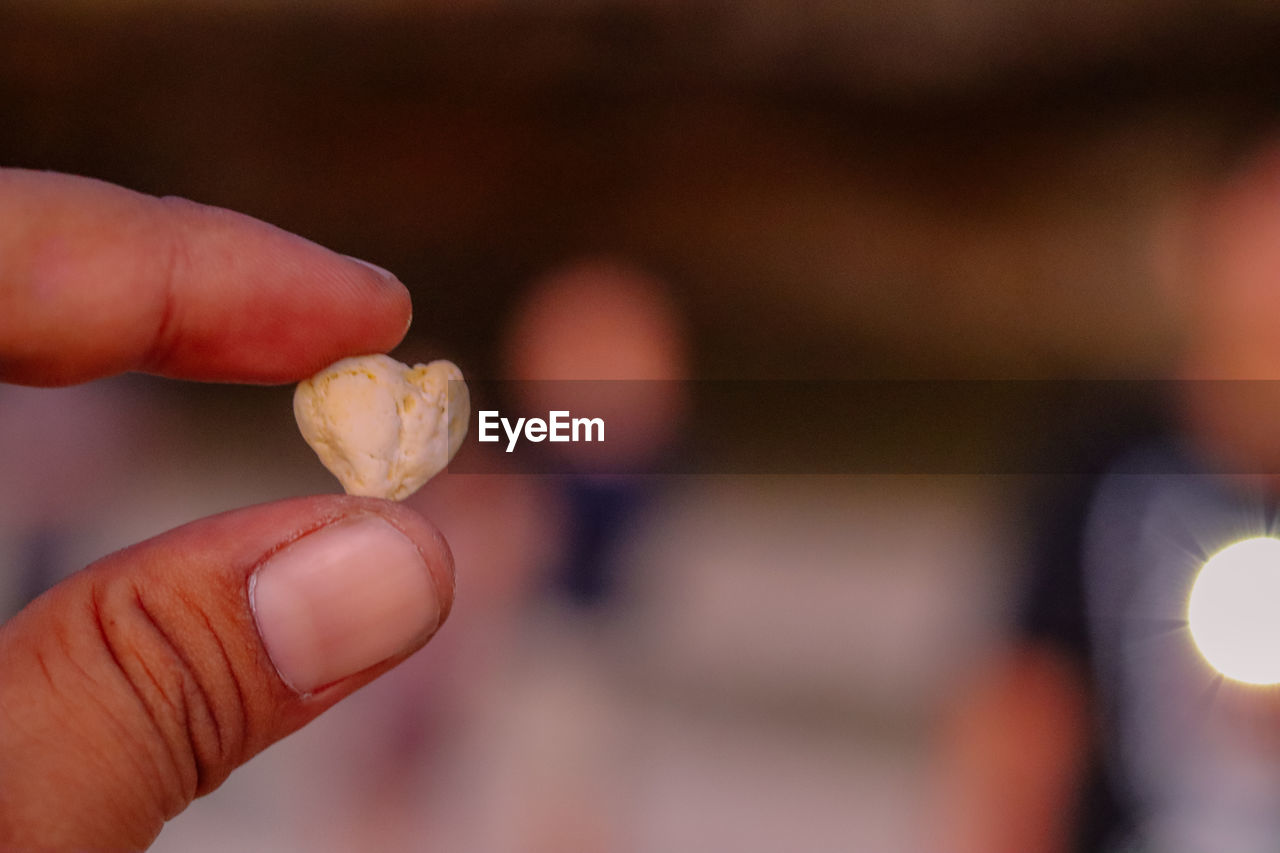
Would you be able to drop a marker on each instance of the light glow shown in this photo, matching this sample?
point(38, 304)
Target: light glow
point(1234, 611)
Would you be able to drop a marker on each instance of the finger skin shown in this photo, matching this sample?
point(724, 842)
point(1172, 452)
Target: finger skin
point(141, 682)
point(97, 280)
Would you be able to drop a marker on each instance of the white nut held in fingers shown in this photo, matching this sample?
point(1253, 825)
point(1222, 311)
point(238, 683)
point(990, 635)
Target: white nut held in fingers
point(383, 428)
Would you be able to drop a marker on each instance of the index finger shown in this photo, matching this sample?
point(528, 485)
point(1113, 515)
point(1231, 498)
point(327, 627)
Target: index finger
point(96, 280)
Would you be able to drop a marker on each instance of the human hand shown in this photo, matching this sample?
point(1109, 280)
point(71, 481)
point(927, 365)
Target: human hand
point(141, 682)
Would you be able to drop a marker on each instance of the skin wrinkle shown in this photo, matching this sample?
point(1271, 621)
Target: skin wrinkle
point(124, 733)
point(221, 741)
point(177, 702)
point(44, 669)
point(175, 712)
point(201, 715)
point(241, 735)
point(165, 338)
point(57, 243)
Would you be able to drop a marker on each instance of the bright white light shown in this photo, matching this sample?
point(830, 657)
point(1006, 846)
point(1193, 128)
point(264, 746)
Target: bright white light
point(1234, 613)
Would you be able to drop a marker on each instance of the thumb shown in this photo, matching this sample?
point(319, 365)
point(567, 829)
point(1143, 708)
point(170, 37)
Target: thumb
point(141, 682)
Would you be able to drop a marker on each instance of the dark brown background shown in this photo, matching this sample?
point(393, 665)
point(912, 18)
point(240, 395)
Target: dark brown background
point(833, 189)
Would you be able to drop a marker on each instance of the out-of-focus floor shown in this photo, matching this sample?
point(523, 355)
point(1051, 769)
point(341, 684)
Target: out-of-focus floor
point(775, 681)
point(772, 671)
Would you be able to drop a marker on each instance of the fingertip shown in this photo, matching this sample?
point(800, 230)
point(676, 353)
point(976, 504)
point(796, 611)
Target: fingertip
point(387, 287)
point(288, 306)
point(399, 311)
point(432, 546)
point(99, 280)
point(385, 275)
point(350, 596)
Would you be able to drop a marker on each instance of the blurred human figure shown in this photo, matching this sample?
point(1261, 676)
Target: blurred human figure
point(1104, 729)
point(602, 338)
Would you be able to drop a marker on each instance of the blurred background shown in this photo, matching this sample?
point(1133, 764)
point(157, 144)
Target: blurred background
point(639, 189)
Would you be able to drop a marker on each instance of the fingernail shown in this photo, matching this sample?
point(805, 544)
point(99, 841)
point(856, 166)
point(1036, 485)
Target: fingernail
point(342, 599)
point(386, 274)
